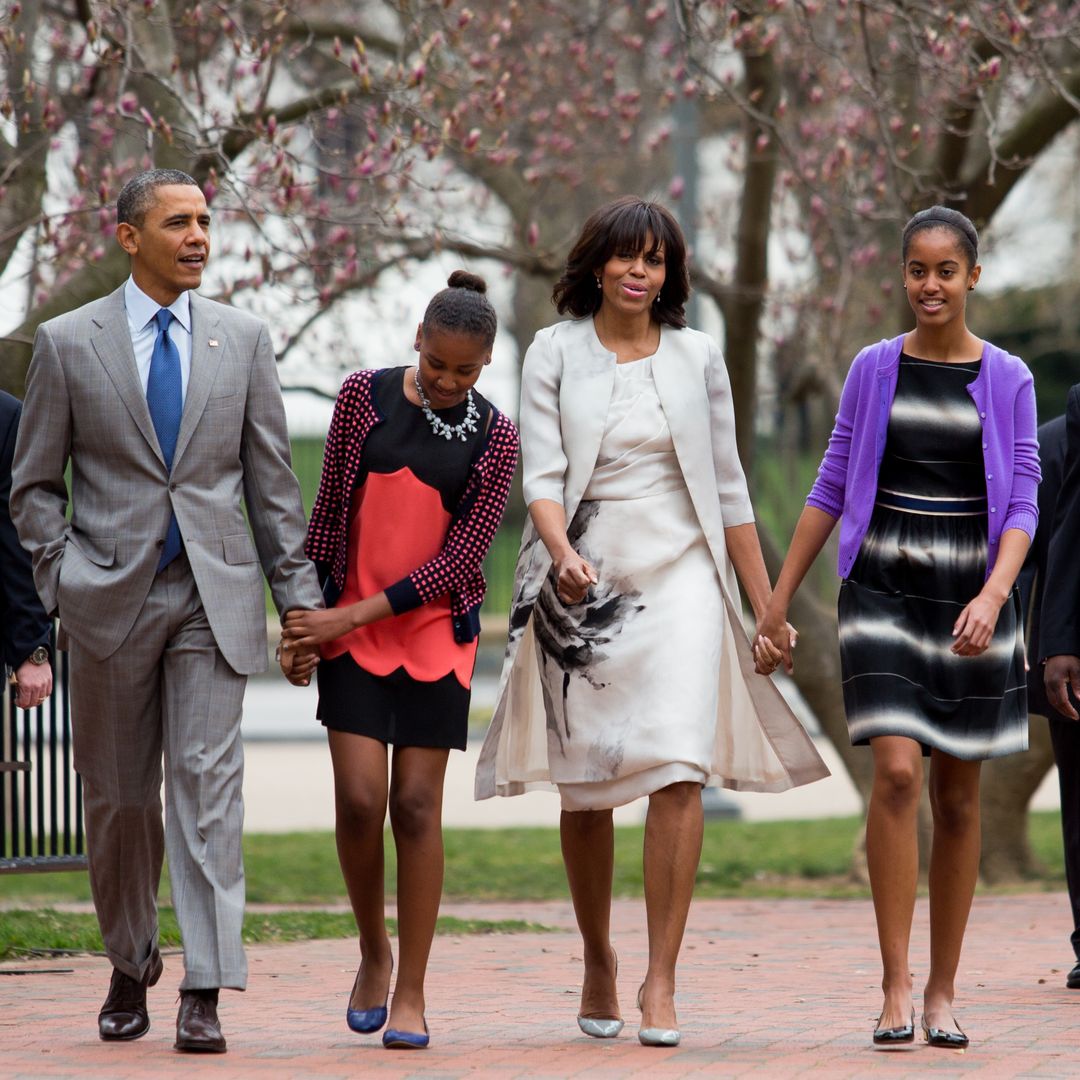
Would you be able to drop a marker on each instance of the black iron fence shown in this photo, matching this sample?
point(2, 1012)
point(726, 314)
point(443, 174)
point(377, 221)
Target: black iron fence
point(41, 824)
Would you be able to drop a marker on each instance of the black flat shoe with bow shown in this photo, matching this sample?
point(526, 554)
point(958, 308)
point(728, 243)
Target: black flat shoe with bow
point(947, 1040)
point(895, 1036)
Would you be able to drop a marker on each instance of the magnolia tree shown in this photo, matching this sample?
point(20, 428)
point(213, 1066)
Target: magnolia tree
point(339, 141)
point(856, 115)
point(334, 141)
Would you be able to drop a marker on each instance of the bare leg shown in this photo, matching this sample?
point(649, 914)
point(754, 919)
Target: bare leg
point(673, 832)
point(954, 869)
point(588, 849)
point(892, 855)
point(360, 787)
point(416, 794)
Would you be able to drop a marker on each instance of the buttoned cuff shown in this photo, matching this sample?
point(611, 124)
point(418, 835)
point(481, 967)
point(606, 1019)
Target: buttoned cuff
point(403, 596)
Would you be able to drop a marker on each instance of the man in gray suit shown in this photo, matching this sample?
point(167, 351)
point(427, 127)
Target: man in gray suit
point(168, 408)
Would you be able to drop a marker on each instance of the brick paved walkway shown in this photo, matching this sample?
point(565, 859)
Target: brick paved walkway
point(769, 988)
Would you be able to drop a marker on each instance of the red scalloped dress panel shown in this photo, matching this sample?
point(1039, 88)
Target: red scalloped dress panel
point(397, 523)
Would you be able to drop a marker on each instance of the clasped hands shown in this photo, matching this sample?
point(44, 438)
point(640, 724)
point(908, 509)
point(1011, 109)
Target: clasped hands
point(302, 632)
point(774, 640)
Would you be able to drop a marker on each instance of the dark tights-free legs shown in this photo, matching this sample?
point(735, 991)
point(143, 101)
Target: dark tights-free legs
point(588, 849)
point(673, 833)
point(893, 862)
point(363, 786)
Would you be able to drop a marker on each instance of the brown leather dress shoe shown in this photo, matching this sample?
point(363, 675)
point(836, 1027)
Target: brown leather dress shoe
point(124, 1015)
point(198, 1029)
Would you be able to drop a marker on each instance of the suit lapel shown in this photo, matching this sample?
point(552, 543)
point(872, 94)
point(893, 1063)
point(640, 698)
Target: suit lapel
point(205, 361)
point(111, 340)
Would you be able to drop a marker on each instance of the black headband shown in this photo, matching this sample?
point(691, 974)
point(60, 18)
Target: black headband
point(938, 219)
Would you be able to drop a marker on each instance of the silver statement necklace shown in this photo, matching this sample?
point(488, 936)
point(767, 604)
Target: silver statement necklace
point(440, 427)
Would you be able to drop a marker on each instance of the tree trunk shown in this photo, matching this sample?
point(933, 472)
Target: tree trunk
point(1008, 784)
point(817, 673)
point(94, 280)
point(743, 304)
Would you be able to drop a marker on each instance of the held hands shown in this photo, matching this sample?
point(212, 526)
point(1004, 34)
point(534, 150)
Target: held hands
point(302, 633)
point(1061, 674)
point(975, 627)
point(297, 665)
point(773, 643)
point(573, 578)
point(306, 629)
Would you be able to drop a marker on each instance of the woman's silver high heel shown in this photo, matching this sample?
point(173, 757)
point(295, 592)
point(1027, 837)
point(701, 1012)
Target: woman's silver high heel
point(651, 1036)
point(602, 1027)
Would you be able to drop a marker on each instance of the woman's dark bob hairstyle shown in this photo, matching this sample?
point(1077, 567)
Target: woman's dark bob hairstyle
point(625, 225)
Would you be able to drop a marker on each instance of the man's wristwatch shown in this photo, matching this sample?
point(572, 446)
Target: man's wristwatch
point(39, 656)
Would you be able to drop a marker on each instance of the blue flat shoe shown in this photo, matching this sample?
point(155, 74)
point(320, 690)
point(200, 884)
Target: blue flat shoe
point(393, 1039)
point(365, 1021)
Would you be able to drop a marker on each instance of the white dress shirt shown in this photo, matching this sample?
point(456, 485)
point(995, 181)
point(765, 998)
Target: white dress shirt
point(141, 312)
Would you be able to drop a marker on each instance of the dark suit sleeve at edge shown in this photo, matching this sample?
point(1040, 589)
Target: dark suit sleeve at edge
point(25, 624)
point(1060, 626)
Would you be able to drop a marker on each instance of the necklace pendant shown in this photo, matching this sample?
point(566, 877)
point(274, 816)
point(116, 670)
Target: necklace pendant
point(439, 427)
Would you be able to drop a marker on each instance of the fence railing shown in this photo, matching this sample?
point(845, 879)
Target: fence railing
point(41, 826)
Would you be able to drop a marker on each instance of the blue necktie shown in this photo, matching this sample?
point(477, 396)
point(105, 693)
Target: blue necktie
point(165, 399)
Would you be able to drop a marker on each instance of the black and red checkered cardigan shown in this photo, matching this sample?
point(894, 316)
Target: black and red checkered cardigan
point(457, 568)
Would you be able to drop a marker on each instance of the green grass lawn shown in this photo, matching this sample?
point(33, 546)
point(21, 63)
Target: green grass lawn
point(782, 858)
point(43, 930)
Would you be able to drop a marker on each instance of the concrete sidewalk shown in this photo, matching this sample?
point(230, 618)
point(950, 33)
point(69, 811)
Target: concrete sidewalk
point(769, 988)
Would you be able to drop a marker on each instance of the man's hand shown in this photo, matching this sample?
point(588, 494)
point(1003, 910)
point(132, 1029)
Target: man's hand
point(1061, 673)
point(35, 683)
point(298, 664)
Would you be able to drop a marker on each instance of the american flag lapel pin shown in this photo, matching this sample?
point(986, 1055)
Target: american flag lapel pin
point(213, 343)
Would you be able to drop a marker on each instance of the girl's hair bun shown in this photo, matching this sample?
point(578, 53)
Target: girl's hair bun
point(462, 279)
point(463, 308)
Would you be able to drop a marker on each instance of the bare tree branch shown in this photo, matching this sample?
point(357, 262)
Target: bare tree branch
point(982, 190)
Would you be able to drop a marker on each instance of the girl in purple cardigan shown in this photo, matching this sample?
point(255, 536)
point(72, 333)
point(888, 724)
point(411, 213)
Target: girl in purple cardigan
point(932, 470)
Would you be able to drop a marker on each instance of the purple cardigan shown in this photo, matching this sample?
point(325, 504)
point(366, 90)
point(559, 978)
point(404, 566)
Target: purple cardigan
point(1004, 394)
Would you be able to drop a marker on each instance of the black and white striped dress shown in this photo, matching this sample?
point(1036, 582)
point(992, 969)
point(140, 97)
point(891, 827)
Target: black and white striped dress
point(923, 559)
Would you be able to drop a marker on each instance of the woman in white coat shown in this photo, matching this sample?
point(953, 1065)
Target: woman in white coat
point(628, 672)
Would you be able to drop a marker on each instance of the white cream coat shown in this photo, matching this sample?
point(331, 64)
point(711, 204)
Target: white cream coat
point(566, 384)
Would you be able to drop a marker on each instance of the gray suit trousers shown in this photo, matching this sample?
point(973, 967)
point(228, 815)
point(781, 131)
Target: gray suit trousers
point(167, 689)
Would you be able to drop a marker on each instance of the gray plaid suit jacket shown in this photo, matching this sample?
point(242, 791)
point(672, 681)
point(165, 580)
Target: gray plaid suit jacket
point(84, 401)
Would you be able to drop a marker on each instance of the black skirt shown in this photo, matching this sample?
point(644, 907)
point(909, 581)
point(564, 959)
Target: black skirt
point(395, 709)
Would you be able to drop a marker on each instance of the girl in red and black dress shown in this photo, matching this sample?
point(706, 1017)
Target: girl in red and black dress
point(415, 479)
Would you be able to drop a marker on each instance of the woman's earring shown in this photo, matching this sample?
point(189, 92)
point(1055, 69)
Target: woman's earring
point(971, 288)
point(598, 285)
